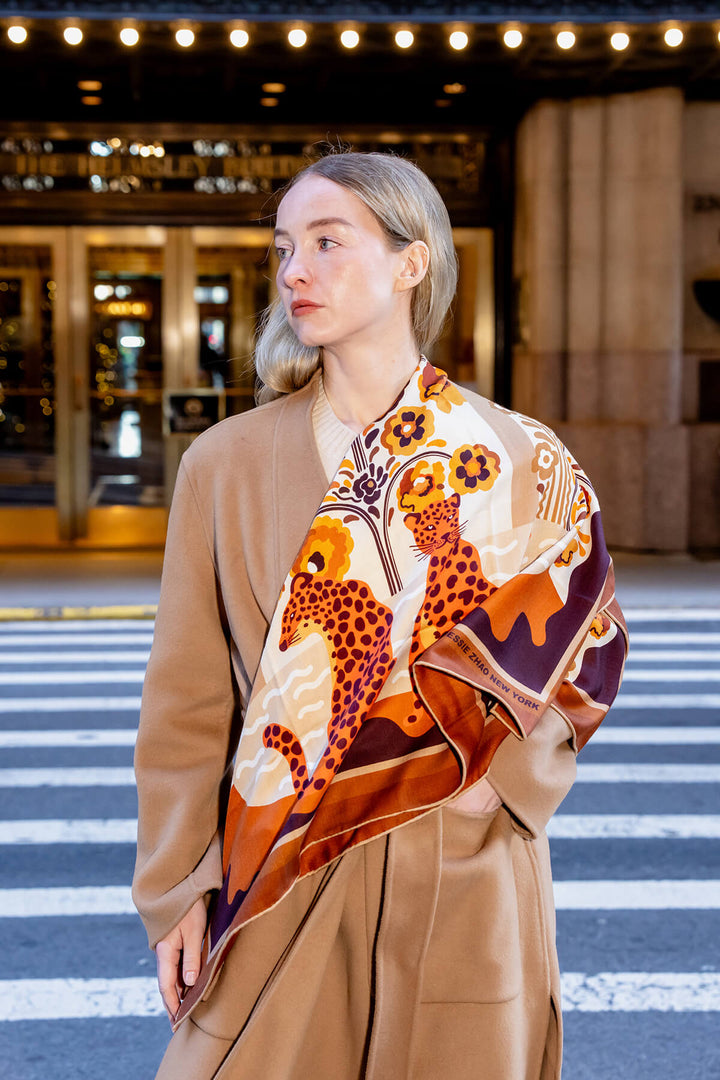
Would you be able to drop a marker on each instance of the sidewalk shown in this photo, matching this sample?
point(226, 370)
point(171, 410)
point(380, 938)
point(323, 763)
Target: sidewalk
point(111, 585)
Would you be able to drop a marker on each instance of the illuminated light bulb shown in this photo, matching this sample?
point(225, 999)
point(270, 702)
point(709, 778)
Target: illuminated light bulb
point(620, 40)
point(297, 38)
point(513, 39)
point(459, 40)
point(273, 88)
point(129, 36)
point(269, 102)
point(185, 37)
point(73, 35)
point(17, 34)
point(350, 38)
point(404, 39)
point(674, 37)
point(239, 38)
point(565, 39)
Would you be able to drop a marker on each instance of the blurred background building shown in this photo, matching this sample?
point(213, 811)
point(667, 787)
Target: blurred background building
point(577, 146)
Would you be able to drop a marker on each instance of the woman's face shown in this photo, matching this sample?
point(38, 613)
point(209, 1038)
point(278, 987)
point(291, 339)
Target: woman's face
point(338, 279)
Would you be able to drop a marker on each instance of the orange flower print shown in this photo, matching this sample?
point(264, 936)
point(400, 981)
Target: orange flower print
point(600, 625)
point(473, 468)
point(441, 391)
point(405, 431)
point(546, 459)
point(421, 485)
point(326, 550)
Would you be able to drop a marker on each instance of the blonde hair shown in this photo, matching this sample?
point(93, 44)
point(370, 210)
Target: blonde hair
point(408, 207)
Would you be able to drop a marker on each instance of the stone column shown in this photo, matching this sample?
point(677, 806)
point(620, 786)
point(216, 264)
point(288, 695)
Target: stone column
point(613, 392)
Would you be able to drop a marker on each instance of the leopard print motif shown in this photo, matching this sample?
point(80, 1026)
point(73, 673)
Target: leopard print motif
point(455, 583)
point(356, 629)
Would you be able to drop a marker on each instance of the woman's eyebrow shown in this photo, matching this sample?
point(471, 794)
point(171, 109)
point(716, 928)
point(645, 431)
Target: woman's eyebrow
point(319, 223)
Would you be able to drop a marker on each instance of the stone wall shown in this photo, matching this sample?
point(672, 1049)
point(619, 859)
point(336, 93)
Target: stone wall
point(602, 351)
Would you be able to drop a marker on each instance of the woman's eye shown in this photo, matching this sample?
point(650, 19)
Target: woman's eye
point(282, 253)
point(326, 244)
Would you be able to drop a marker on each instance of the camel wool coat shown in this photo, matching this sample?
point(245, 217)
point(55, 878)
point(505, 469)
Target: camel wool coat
point(426, 954)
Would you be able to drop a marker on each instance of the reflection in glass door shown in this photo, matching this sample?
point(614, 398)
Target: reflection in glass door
point(125, 377)
point(232, 288)
point(27, 376)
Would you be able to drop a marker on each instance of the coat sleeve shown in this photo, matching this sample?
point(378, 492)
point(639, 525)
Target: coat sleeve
point(190, 706)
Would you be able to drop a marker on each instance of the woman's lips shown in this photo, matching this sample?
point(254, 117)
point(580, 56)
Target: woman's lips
point(303, 307)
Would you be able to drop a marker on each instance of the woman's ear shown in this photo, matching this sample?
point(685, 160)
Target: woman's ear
point(414, 262)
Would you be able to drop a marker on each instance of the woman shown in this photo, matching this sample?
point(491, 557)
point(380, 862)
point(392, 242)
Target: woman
point(373, 707)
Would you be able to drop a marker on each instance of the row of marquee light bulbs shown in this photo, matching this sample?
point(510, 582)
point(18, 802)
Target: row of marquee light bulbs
point(513, 36)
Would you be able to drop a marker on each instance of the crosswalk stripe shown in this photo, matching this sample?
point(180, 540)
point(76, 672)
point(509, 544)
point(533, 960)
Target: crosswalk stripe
point(649, 736)
point(636, 895)
point(79, 738)
point(94, 626)
point(643, 656)
point(693, 701)
point(671, 615)
point(668, 675)
point(68, 704)
point(606, 773)
point(681, 637)
point(607, 734)
point(99, 776)
point(70, 831)
point(107, 656)
point(66, 900)
point(631, 773)
point(641, 991)
point(560, 827)
point(31, 641)
point(57, 678)
point(138, 996)
point(103, 900)
point(634, 827)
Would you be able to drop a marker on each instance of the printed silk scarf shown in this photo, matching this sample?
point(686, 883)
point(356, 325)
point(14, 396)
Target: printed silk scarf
point(454, 583)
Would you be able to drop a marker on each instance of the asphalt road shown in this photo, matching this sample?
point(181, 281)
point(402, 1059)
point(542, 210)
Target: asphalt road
point(636, 854)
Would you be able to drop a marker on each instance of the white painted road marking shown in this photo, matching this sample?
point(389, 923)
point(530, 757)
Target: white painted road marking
point(668, 675)
point(626, 773)
point(641, 991)
point(561, 827)
point(70, 831)
point(679, 637)
point(107, 656)
point(650, 736)
point(69, 704)
point(638, 656)
point(61, 626)
point(671, 615)
point(636, 895)
point(57, 678)
point(615, 991)
point(589, 895)
point(683, 702)
point(106, 641)
point(93, 776)
point(634, 827)
point(52, 902)
point(79, 737)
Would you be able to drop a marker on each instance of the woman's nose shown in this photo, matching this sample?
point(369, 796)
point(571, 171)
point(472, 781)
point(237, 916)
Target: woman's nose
point(294, 269)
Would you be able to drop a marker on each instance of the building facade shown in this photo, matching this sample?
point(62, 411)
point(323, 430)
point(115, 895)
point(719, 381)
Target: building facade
point(136, 195)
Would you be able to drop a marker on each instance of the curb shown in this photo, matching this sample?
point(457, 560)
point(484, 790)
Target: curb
point(115, 611)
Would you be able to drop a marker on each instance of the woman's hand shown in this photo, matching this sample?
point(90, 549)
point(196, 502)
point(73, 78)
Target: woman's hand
point(178, 956)
point(479, 799)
